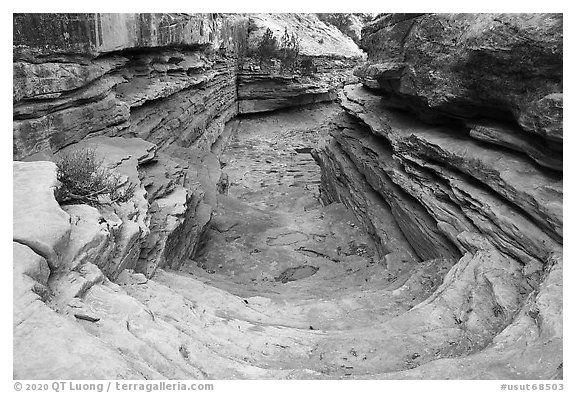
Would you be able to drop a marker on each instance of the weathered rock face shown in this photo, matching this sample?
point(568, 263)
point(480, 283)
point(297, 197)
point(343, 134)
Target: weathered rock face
point(78, 240)
point(155, 95)
point(349, 24)
point(65, 259)
point(165, 78)
point(327, 60)
point(503, 67)
point(85, 80)
point(33, 196)
point(436, 150)
point(53, 35)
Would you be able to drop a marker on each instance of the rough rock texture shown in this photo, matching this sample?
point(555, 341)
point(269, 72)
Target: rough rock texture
point(38, 329)
point(167, 78)
point(357, 163)
point(331, 56)
point(39, 35)
point(68, 254)
point(161, 225)
point(349, 24)
point(163, 77)
point(504, 67)
point(139, 88)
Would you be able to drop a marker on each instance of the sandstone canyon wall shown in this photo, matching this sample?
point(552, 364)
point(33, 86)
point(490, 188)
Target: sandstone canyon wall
point(453, 142)
point(133, 84)
point(331, 56)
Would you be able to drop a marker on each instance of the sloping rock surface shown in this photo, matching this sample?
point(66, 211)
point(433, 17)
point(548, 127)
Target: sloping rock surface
point(38, 221)
point(249, 307)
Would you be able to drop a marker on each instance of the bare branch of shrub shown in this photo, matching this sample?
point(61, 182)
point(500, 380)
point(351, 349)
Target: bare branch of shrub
point(85, 179)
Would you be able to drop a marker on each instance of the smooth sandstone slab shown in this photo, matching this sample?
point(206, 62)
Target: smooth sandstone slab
point(38, 220)
point(27, 262)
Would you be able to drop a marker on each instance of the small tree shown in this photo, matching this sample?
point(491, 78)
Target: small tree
point(267, 47)
point(289, 51)
point(84, 179)
point(241, 41)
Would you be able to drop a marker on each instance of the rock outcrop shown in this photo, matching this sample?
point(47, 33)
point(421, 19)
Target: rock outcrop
point(167, 78)
point(502, 68)
point(155, 95)
point(327, 59)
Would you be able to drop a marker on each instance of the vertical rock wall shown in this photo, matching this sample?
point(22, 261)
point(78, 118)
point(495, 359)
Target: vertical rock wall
point(112, 82)
point(162, 77)
point(450, 153)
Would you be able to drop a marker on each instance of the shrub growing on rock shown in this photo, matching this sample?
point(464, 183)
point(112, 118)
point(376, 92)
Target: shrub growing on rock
point(267, 48)
point(84, 179)
point(345, 23)
point(289, 51)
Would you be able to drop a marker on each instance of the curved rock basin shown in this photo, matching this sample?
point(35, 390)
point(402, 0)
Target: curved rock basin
point(360, 314)
point(284, 286)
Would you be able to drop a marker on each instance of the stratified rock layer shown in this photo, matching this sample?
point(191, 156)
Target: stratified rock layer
point(166, 78)
point(158, 77)
point(155, 95)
